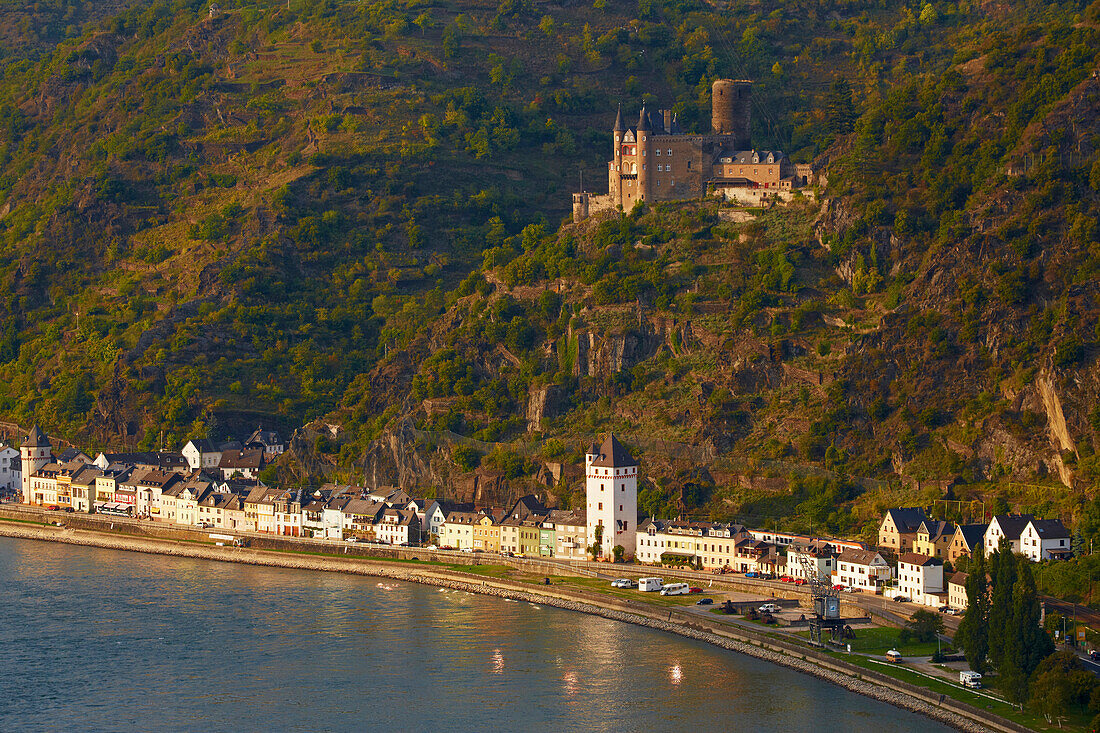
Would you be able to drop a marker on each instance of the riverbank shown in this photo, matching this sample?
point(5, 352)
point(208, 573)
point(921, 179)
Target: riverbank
point(818, 665)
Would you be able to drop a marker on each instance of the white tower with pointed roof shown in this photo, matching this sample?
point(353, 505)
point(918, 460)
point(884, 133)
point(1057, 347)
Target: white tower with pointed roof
point(611, 487)
point(34, 453)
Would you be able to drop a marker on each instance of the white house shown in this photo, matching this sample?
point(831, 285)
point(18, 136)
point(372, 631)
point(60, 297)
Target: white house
point(819, 556)
point(397, 527)
point(921, 579)
point(865, 570)
point(1043, 539)
point(11, 474)
point(202, 453)
point(458, 530)
point(1009, 526)
point(611, 489)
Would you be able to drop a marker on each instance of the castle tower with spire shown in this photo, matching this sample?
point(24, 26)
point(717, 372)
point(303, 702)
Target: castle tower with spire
point(611, 490)
point(34, 453)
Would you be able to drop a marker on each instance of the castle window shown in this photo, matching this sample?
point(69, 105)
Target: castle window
point(670, 151)
point(689, 165)
point(657, 152)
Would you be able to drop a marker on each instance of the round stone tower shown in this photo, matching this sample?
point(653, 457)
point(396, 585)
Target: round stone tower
point(730, 105)
point(643, 155)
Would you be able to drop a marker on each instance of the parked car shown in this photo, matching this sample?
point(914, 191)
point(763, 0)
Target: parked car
point(694, 589)
point(752, 574)
point(704, 602)
point(53, 508)
point(622, 583)
point(786, 579)
point(901, 599)
point(951, 611)
point(351, 539)
point(800, 581)
point(1094, 655)
point(467, 549)
point(838, 586)
point(768, 608)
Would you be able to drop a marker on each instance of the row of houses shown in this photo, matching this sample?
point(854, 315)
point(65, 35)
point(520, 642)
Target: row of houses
point(909, 529)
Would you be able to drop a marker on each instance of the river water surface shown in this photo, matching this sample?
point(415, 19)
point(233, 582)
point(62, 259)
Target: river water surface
point(104, 640)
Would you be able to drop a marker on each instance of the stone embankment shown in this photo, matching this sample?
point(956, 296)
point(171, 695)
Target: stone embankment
point(551, 595)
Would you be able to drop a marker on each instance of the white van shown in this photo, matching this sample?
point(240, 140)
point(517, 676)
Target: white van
point(648, 584)
point(972, 680)
point(675, 589)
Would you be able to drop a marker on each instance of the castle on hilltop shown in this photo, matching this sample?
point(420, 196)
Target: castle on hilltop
point(657, 161)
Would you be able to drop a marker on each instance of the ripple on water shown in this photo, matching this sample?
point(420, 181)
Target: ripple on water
point(142, 642)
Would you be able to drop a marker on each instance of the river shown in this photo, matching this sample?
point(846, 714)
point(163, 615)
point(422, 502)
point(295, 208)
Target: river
point(105, 640)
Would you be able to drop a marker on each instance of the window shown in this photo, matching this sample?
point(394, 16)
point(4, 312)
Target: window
point(657, 152)
point(601, 506)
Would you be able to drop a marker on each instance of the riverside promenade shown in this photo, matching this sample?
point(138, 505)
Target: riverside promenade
point(725, 635)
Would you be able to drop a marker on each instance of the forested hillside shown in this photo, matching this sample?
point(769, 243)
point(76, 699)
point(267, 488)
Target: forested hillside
point(351, 214)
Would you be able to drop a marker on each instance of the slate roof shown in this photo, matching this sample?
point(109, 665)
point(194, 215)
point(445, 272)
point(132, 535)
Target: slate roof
point(907, 519)
point(1013, 525)
point(1050, 529)
point(936, 529)
point(36, 439)
point(264, 438)
point(613, 454)
point(972, 534)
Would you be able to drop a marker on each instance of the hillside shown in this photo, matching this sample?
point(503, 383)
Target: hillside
point(349, 215)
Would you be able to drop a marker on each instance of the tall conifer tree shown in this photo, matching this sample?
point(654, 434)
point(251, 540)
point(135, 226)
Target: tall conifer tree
point(1000, 609)
point(973, 634)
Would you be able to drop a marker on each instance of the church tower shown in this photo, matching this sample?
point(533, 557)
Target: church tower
point(611, 489)
point(34, 453)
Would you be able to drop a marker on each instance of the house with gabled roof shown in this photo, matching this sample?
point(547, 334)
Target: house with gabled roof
point(267, 441)
point(244, 463)
point(967, 538)
point(82, 488)
point(1045, 539)
point(920, 579)
point(898, 529)
point(934, 538)
point(1007, 526)
point(864, 570)
point(956, 591)
point(202, 453)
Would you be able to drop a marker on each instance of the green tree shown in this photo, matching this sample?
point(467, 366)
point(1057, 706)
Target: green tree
point(595, 548)
point(617, 552)
point(973, 634)
point(840, 109)
point(1026, 644)
point(1003, 573)
point(922, 627)
point(1059, 681)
